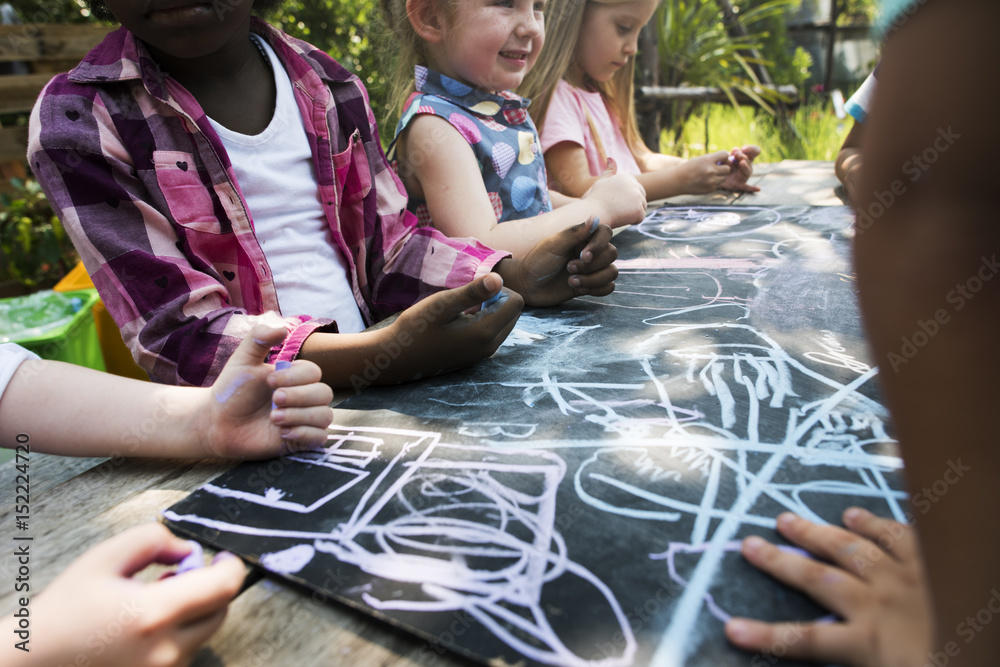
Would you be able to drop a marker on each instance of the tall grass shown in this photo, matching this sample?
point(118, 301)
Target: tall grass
point(817, 134)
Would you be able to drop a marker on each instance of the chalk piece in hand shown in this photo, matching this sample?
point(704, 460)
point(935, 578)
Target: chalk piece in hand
point(490, 301)
point(193, 560)
point(280, 366)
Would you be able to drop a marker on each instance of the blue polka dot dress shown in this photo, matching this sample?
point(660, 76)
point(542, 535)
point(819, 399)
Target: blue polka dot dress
point(502, 136)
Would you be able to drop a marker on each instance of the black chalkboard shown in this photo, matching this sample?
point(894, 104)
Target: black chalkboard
point(580, 496)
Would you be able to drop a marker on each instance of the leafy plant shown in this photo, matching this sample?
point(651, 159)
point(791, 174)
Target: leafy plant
point(346, 30)
point(34, 248)
point(52, 11)
point(698, 49)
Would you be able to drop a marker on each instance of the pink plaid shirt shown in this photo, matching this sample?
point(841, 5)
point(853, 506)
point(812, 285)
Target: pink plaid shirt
point(146, 191)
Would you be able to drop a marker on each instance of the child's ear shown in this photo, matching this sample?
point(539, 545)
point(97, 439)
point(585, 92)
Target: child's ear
point(425, 17)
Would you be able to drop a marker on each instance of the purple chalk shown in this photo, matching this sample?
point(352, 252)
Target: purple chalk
point(280, 366)
point(193, 560)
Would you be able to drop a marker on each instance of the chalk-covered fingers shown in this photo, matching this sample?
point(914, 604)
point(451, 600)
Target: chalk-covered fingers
point(301, 404)
point(181, 612)
point(594, 272)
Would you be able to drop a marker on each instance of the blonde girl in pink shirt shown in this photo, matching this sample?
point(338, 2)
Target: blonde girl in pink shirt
point(582, 91)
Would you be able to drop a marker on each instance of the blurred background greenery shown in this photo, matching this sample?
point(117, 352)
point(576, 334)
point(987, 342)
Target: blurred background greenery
point(697, 47)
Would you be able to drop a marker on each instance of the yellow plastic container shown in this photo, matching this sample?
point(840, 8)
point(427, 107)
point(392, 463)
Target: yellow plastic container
point(117, 358)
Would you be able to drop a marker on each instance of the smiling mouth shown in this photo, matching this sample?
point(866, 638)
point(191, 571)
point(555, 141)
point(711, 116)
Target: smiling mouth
point(512, 55)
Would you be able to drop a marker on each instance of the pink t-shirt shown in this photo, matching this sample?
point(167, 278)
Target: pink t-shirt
point(566, 120)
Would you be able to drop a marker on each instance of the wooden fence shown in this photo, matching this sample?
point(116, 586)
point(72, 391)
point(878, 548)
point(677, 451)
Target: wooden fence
point(44, 50)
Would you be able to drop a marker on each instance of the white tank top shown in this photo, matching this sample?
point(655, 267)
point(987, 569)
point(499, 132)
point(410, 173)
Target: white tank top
point(275, 171)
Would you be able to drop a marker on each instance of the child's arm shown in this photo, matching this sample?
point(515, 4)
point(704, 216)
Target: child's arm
point(848, 164)
point(432, 336)
point(437, 334)
point(662, 176)
point(75, 411)
point(927, 266)
point(444, 172)
point(161, 623)
point(874, 582)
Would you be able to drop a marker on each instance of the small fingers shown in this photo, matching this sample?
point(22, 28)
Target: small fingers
point(823, 642)
point(130, 551)
point(301, 372)
point(891, 536)
point(199, 593)
point(315, 394)
point(832, 543)
point(298, 438)
point(830, 586)
point(597, 283)
point(595, 252)
point(315, 416)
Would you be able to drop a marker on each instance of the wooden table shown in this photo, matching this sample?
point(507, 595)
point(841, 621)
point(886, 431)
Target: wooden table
point(76, 503)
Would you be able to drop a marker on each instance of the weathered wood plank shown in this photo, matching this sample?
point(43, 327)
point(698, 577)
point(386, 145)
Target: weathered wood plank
point(68, 519)
point(49, 41)
point(13, 141)
point(274, 624)
point(18, 93)
point(47, 471)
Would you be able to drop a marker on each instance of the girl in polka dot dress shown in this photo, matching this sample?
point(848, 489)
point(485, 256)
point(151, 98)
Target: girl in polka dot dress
point(465, 147)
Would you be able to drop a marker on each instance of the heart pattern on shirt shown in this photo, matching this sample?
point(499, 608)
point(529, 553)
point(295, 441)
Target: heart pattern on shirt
point(161, 282)
point(466, 128)
point(229, 275)
point(503, 158)
point(183, 166)
point(73, 114)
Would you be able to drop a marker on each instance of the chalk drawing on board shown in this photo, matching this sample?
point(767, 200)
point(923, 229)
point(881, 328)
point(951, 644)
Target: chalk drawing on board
point(707, 222)
point(473, 528)
point(722, 383)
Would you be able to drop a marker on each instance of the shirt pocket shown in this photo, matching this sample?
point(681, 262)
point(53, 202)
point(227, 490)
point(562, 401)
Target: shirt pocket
point(354, 175)
point(187, 197)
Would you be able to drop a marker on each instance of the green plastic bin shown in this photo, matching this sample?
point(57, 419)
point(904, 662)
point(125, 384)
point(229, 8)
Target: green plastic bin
point(54, 325)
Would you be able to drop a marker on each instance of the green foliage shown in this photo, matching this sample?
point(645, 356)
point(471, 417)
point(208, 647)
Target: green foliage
point(786, 64)
point(820, 133)
point(853, 12)
point(697, 48)
point(52, 11)
point(345, 29)
point(34, 248)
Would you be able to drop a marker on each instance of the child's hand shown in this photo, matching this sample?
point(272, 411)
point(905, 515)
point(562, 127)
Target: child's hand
point(876, 585)
point(741, 169)
point(704, 174)
point(238, 414)
point(95, 613)
point(620, 198)
point(576, 261)
point(437, 334)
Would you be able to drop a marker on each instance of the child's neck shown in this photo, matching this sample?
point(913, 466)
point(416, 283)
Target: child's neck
point(577, 78)
point(234, 85)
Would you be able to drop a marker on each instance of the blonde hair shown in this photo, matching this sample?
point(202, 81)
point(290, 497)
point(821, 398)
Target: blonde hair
point(562, 32)
point(411, 48)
